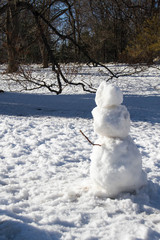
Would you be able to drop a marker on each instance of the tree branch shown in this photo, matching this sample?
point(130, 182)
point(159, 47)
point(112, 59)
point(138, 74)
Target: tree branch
point(94, 144)
point(3, 9)
point(62, 36)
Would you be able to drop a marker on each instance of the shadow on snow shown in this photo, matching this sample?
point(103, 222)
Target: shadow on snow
point(69, 106)
point(16, 227)
point(141, 108)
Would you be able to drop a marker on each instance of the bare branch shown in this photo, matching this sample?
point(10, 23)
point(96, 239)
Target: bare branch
point(3, 9)
point(62, 36)
point(94, 144)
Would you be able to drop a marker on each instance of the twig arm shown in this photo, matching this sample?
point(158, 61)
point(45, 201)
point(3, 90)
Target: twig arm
point(94, 144)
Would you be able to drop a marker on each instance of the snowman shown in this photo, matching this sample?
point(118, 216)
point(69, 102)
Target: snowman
point(116, 165)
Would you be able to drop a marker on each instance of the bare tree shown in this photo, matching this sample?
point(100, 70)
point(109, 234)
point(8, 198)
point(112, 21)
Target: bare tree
point(45, 6)
point(12, 32)
point(73, 35)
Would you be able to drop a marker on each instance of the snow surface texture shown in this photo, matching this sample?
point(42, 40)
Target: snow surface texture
point(116, 165)
point(45, 162)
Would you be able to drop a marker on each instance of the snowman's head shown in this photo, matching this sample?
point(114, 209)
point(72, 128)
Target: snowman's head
point(108, 95)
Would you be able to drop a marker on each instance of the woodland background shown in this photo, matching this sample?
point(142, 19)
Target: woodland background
point(79, 31)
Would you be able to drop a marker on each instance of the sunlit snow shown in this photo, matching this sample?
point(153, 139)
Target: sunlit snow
point(45, 163)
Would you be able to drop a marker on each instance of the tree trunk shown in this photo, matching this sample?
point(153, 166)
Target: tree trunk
point(44, 54)
point(12, 30)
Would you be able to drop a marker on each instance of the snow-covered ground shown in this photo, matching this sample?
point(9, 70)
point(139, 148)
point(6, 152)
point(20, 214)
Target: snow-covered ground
point(45, 188)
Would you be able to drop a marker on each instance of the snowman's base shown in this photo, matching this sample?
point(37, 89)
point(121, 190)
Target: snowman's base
point(116, 167)
point(88, 188)
point(101, 193)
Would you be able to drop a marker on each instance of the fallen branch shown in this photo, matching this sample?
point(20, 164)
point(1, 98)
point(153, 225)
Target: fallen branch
point(94, 144)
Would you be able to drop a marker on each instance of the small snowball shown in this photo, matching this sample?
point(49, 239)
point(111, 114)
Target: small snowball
point(116, 166)
point(108, 95)
point(111, 122)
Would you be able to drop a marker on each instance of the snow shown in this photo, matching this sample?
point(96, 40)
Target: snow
point(114, 167)
point(111, 122)
point(45, 162)
point(111, 119)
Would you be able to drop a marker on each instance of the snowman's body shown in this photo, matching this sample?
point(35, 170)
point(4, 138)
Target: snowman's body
point(116, 165)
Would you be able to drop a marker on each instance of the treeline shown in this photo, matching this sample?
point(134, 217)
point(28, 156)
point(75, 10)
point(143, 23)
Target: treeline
point(43, 31)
